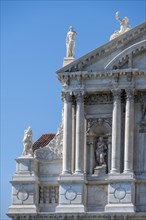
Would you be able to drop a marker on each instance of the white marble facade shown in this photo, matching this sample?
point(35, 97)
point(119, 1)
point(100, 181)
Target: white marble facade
point(95, 167)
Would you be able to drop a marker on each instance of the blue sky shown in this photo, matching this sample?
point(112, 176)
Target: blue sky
point(32, 49)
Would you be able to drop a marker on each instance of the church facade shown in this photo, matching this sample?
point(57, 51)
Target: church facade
point(94, 167)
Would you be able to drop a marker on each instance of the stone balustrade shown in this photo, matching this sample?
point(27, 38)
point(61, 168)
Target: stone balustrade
point(48, 194)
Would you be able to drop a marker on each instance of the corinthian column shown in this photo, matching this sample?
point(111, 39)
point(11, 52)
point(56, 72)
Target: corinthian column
point(116, 132)
point(79, 160)
point(129, 131)
point(67, 133)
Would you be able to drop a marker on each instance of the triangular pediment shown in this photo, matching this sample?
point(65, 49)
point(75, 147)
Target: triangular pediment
point(112, 55)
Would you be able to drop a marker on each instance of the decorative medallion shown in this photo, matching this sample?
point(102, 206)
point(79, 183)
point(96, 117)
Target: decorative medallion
point(119, 193)
point(22, 195)
point(70, 194)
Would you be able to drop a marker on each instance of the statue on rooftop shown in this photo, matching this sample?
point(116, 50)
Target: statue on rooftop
point(124, 26)
point(28, 142)
point(70, 42)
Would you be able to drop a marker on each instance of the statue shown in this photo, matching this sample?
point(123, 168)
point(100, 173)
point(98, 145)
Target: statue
point(28, 142)
point(70, 42)
point(124, 26)
point(101, 152)
point(143, 110)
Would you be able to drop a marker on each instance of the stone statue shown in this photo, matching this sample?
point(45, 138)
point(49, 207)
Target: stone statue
point(70, 42)
point(144, 110)
point(101, 152)
point(28, 142)
point(124, 26)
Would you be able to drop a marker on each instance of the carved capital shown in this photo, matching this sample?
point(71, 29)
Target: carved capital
point(66, 97)
point(79, 96)
point(116, 94)
point(130, 94)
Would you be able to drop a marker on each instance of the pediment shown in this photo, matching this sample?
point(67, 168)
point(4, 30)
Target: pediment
point(122, 52)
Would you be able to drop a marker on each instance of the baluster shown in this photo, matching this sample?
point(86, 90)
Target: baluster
point(57, 194)
point(41, 194)
point(52, 195)
point(47, 195)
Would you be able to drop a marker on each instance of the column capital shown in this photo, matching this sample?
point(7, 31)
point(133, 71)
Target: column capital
point(130, 93)
point(79, 96)
point(66, 97)
point(116, 94)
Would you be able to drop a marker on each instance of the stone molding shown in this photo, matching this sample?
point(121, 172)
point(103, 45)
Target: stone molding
point(80, 216)
point(88, 75)
point(126, 55)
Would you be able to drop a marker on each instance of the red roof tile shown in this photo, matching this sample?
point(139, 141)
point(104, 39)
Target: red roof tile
point(43, 141)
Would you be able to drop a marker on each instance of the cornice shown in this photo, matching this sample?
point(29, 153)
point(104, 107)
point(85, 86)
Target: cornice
point(86, 75)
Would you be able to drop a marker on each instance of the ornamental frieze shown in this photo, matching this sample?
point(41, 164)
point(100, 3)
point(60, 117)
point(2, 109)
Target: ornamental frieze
point(94, 99)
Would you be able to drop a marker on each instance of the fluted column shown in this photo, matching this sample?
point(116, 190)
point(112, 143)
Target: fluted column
point(67, 133)
point(116, 131)
point(129, 131)
point(79, 160)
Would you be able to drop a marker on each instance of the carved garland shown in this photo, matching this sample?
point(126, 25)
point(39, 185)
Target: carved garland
point(94, 99)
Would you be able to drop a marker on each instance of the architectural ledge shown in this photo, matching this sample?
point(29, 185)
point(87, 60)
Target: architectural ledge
point(100, 74)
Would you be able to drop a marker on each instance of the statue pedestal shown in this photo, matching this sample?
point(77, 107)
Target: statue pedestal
point(99, 170)
point(68, 60)
point(71, 193)
point(25, 187)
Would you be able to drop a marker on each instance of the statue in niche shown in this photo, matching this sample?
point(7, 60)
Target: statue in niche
point(70, 42)
point(124, 26)
point(144, 110)
point(101, 152)
point(28, 142)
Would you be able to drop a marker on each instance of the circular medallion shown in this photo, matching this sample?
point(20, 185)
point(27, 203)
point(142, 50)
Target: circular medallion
point(120, 193)
point(22, 195)
point(70, 194)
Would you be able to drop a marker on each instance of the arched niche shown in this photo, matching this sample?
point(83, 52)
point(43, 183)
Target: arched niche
point(98, 128)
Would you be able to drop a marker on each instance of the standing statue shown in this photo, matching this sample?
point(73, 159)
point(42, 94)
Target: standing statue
point(28, 142)
point(124, 26)
point(70, 42)
point(101, 152)
point(143, 110)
